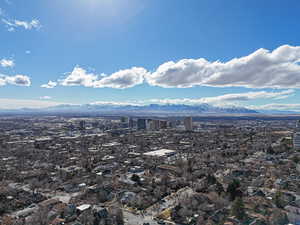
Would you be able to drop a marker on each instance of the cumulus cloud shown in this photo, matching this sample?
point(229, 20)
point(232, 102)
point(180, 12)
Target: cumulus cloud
point(7, 63)
point(121, 79)
point(277, 69)
point(79, 77)
point(50, 84)
point(18, 80)
point(27, 25)
point(261, 69)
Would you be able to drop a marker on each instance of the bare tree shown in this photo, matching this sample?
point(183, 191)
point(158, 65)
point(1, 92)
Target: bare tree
point(7, 220)
point(34, 185)
point(117, 215)
point(40, 217)
point(86, 218)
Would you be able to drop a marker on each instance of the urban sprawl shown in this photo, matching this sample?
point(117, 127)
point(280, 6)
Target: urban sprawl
point(148, 171)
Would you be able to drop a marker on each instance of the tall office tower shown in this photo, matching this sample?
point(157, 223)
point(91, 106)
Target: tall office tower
point(173, 124)
point(141, 124)
point(124, 119)
point(188, 123)
point(148, 124)
point(163, 124)
point(296, 140)
point(131, 123)
point(298, 126)
point(154, 125)
point(82, 125)
point(151, 125)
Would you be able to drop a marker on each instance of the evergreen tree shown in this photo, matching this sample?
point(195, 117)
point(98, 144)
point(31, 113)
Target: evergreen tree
point(278, 199)
point(233, 190)
point(238, 208)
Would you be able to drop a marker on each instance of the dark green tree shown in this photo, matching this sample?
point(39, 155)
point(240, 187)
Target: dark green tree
point(278, 199)
point(233, 190)
point(136, 178)
point(238, 208)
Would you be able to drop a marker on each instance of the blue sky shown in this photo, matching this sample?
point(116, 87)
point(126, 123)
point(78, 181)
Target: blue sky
point(134, 50)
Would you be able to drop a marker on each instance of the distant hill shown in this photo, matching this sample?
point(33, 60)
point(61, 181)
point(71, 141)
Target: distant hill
point(151, 109)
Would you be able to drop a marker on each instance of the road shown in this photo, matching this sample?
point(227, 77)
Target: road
point(168, 202)
point(133, 219)
point(152, 211)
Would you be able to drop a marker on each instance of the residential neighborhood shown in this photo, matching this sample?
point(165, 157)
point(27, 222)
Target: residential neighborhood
point(94, 171)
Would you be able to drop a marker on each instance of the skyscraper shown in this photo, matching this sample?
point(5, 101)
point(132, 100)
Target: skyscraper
point(298, 126)
point(82, 125)
point(131, 123)
point(163, 124)
point(141, 124)
point(296, 140)
point(188, 123)
point(124, 119)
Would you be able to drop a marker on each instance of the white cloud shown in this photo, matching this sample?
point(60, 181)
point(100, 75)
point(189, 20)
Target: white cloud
point(227, 98)
point(7, 63)
point(79, 77)
point(19, 80)
point(261, 69)
point(50, 84)
point(27, 51)
point(277, 106)
point(249, 96)
point(113, 103)
point(22, 103)
point(45, 97)
point(278, 69)
point(121, 79)
point(221, 100)
point(27, 25)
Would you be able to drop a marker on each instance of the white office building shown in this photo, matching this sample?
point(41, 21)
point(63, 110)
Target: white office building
point(296, 140)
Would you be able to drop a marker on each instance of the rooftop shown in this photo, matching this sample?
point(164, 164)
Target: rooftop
point(160, 153)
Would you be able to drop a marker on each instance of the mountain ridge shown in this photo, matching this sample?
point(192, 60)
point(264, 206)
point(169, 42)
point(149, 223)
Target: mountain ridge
point(138, 109)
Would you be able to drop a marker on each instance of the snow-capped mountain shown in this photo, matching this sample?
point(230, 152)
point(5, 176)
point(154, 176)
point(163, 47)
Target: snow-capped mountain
point(167, 109)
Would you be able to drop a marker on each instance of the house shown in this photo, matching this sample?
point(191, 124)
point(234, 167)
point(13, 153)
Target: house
point(83, 207)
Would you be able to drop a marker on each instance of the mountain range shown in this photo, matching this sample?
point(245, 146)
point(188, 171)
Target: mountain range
point(151, 109)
